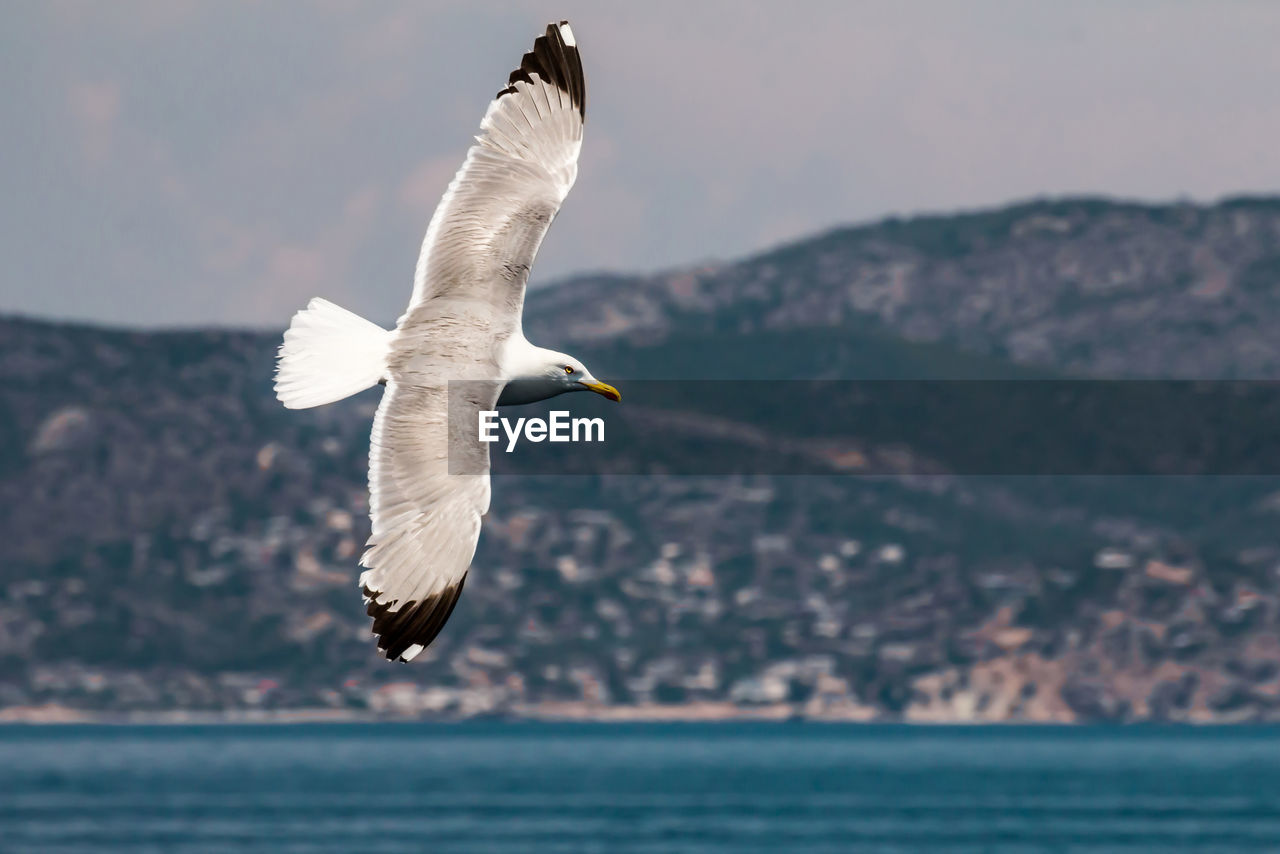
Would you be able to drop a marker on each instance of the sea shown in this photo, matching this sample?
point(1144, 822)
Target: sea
point(502, 787)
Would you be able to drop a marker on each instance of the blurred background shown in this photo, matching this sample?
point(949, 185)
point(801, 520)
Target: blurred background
point(925, 190)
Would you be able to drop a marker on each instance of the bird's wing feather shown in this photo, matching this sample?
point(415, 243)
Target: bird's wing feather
point(487, 229)
point(426, 520)
point(467, 297)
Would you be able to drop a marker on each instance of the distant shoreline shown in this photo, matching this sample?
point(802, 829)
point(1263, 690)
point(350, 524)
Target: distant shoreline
point(53, 715)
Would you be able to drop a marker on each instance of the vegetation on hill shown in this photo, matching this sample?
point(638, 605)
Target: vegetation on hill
point(174, 539)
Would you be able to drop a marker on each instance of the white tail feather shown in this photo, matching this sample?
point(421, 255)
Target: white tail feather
point(328, 354)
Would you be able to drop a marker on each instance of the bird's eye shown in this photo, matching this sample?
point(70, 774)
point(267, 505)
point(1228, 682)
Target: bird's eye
point(568, 369)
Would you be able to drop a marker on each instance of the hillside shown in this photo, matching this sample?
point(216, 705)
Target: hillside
point(1085, 286)
point(173, 539)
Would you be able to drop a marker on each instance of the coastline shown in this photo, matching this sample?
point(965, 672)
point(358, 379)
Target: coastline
point(53, 715)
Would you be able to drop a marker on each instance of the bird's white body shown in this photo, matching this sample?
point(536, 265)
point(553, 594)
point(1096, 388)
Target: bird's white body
point(462, 323)
point(330, 353)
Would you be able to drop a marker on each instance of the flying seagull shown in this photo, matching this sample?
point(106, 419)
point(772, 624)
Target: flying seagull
point(463, 323)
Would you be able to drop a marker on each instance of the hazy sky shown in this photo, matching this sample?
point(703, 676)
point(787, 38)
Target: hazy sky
point(179, 162)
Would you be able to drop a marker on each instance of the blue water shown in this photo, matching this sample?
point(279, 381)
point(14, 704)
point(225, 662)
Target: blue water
point(595, 788)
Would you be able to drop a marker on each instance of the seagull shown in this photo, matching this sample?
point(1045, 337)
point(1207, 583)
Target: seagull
point(463, 323)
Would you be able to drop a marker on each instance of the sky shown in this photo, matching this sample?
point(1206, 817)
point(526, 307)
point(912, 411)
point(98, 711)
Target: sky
point(212, 162)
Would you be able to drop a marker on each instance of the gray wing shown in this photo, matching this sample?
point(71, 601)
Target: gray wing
point(426, 520)
point(467, 297)
point(487, 229)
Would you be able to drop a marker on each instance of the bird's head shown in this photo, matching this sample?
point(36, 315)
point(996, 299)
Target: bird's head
point(535, 373)
point(571, 375)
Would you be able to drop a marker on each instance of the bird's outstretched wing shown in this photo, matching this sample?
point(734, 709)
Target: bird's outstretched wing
point(487, 229)
point(467, 297)
point(426, 521)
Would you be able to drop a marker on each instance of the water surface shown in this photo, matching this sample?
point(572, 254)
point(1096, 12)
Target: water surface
point(653, 788)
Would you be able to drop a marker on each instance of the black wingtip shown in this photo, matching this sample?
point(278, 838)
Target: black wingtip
point(414, 622)
point(555, 60)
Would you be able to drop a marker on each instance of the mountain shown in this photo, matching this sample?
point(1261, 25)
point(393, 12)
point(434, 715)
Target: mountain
point(1085, 286)
point(175, 541)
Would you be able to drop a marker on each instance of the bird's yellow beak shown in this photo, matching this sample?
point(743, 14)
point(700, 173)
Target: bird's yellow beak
point(604, 390)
